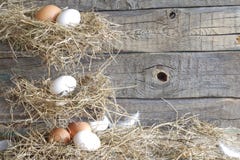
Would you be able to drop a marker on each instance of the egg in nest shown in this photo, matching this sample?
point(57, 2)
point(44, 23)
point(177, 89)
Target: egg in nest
point(75, 127)
point(69, 17)
point(86, 140)
point(63, 85)
point(59, 135)
point(48, 13)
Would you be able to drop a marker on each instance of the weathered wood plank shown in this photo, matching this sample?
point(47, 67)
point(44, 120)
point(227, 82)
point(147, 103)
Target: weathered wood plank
point(133, 4)
point(196, 29)
point(154, 75)
point(5, 110)
point(148, 4)
point(213, 74)
point(167, 30)
point(222, 112)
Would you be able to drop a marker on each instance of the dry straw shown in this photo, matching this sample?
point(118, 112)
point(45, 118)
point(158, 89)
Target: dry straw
point(92, 97)
point(188, 138)
point(57, 45)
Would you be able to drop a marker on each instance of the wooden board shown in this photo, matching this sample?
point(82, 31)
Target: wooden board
point(149, 4)
point(219, 111)
point(222, 112)
point(187, 54)
point(192, 75)
point(141, 75)
point(133, 4)
point(209, 74)
point(182, 29)
point(169, 30)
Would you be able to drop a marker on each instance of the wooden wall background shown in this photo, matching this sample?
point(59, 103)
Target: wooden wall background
point(192, 42)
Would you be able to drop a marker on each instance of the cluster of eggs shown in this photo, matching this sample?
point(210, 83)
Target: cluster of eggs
point(65, 17)
point(66, 84)
point(81, 134)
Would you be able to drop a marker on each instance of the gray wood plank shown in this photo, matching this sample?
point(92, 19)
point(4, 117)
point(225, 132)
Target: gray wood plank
point(221, 112)
point(132, 4)
point(196, 29)
point(153, 75)
point(183, 29)
point(148, 4)
point(209, 74)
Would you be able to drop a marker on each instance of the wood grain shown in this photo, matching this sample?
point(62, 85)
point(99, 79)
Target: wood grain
point(132, 4)
point(222, 112)
point(182, 29)
point(185, 51)
point(195, 29)
point(189, 75)
point(210, 74)
point(219, 111)
point(149, 4)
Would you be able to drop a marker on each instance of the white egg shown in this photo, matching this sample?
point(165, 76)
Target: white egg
point(100, 125)
point(63, 85)
point(86, 140)
point(69, 17)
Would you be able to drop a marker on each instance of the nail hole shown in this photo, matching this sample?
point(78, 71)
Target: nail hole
point(172, 15)
point(162, 76)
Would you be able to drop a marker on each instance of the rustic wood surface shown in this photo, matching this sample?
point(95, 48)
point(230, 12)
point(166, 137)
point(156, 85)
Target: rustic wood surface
point(132, 4)
point(219, 111)
point(188, 75)
point(183, 29)
point(150, 4)
point(209, 74)
point(192, 76)
point(183, 51)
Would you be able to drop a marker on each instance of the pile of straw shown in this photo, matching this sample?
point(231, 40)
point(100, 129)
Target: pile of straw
point(57, 45)
point(187, 138)
point(91, 99)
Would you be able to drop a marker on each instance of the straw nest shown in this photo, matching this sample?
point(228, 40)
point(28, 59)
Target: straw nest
point(57, 45)
point(92, 97)
point(187, 138)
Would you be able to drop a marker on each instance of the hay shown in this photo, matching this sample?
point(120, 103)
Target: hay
point(57, 45)
point(187, 138)
point(92, 97)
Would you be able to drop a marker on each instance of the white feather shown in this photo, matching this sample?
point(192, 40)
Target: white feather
point(4, 144)
point(100, 125)
point(229, 152)
point(129, 121)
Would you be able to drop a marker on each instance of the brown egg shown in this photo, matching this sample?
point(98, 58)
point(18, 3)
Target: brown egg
point(59, 135)
point(48, 13)
point(75, 127)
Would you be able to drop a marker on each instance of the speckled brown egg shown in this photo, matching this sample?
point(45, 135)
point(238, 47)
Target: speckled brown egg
point(48, 13)
point(59, 135)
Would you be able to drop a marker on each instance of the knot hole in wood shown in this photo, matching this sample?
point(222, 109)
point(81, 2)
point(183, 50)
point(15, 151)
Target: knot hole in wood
point(162, 76)
point(172, 14)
